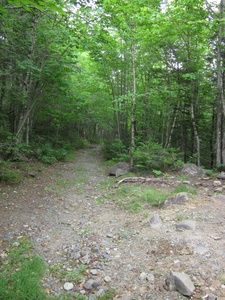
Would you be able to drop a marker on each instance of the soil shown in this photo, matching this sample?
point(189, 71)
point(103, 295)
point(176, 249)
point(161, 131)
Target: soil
point(65, 210)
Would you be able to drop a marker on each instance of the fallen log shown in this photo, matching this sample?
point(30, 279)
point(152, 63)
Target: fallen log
point(143, 180)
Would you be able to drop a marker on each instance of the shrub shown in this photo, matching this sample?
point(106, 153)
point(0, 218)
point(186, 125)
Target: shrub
point(115, 149)
point(7, 175)
point(151, 156)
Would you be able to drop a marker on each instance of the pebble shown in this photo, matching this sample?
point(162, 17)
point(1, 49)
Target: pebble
point(109, 235)
point(97, 282)
point(107, 279)
point(16, 244)
point(88, 284)
point(68, 286)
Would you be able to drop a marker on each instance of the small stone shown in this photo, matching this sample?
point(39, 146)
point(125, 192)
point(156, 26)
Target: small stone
point(68, 286)
point(94, 272)
point(155, 221)
point(89, 284)
point(97, 282)
point(187, 224)
point(180, 282)
point(143, 276)
point(113, 221)
point(109, 235)
point(85, 259)
point(217, 183)
point(177, 199)
point(92, 297)
point(210, 297)
point(107, 279)
point(16, 244)
point(186, 182)
point(75, 255)
point(150, 277)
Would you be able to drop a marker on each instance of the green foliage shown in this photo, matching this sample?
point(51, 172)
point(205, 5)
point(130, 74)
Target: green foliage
point(151, 156)
point(115, 149)
point(47, 154)
point(184, 188)
point(21, 272)
point(8, 175)
point(153, 195)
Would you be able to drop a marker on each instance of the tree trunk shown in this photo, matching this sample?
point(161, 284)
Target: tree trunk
point(133, 103)
point(220, 88)
point(195, 133)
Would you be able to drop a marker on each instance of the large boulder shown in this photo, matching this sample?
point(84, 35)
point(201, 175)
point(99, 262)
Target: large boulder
point(193, 170)
point(119, 169)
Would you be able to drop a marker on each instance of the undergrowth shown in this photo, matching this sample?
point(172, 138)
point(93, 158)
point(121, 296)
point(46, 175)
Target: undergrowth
point(21, 271)
point(22, 275)
point(135, 197)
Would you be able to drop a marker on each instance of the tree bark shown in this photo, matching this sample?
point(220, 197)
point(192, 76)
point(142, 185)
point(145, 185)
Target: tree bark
point(133, 99)
point(220, 88)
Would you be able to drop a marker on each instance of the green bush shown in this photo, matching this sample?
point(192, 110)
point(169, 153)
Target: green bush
point(47, 154)
point(151, 156)
point(6, 174)
point(115, 149)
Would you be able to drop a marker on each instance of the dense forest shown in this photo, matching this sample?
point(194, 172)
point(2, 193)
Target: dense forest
point(143, 78)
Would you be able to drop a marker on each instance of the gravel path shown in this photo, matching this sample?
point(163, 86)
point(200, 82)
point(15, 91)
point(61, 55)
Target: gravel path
point(96, 245)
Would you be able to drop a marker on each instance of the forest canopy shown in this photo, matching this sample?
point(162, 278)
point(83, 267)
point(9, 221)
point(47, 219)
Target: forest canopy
point(143, 78)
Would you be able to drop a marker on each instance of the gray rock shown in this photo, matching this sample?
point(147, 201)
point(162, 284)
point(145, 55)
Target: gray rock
point(119, 169)
point(221, 176)
point(178, 199)
point(89, 284)
point(107, 279)
point(155, 221)
point(75, 255)
point(109, 235)
point(193, 170)
point(150, 278)
point(180, 282)
point(217, 183)
point(210, 297)
point(97, 282)
point(68, 286)
point(143, 276)
point(186, 224)
point(94, 271)
point(85, 259)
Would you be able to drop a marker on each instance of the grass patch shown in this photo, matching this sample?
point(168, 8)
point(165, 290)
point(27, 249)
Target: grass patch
point(153, 196)
point(134, 206)
point(184, 188)
point(21, 272)
point(62, 184)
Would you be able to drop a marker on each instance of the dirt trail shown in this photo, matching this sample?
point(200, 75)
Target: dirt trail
point(62, 211)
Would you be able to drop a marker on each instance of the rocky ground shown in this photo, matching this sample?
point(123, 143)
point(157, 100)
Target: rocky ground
point(92, 244)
